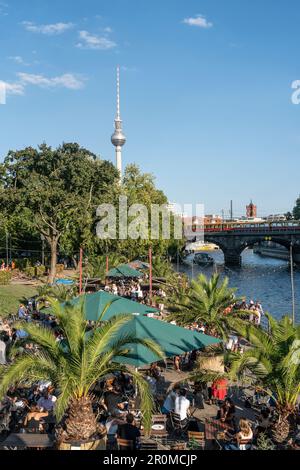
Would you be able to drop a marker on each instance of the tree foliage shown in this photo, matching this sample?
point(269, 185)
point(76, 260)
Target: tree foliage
point(55, 192)
point(75, 365)
point(205, 300)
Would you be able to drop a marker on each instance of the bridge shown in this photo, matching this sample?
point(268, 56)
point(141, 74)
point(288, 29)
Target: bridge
point(233, 240)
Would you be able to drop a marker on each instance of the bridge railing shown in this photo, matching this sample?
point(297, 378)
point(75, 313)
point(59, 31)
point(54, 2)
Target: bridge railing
point(264, 323)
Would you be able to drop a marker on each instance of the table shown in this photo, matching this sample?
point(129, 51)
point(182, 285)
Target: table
point(24, 440)
point(213, 427)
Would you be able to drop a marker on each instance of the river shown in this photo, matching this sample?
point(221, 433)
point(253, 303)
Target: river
point(259, 278)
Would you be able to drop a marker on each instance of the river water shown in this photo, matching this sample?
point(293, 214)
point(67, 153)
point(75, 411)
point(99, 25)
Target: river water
point(259, 278)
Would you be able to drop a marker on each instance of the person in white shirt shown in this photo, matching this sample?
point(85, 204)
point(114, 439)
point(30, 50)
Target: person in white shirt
point(182, 405)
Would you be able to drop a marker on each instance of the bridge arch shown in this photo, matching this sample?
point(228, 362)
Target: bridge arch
point(233, 245)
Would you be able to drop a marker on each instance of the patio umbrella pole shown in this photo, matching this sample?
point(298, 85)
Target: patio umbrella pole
point(80, 272)
point(150, 274)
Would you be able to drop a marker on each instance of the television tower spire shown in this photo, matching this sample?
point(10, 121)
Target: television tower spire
point(118, 139)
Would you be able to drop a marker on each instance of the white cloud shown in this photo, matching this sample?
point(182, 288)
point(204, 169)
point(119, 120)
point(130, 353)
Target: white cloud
point(13, 88)
point(66, 80)
point(108, 29)
point(199, 20)
point(48, 29)
point(3, 9)
point(90, 41)
point(18, 60)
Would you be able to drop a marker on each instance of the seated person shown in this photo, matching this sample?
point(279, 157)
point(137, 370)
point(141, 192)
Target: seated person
point(33, 420)
point(129, 431)
point(243, 437)
point(113, 401)
point(182, 405)
point(227, 413)
point(111, 425)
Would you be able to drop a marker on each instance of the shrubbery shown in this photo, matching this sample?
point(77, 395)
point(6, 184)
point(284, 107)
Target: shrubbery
point(35, 271)
point(60, 268)
point(5, 277)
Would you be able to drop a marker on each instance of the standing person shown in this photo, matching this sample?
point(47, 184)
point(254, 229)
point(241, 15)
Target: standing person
point(169, 402)
point(22, 313)
point(177, 364)
point(219, 389)
point(151, 381)
point(182, 405)
point(114, 289)
point(2, 352)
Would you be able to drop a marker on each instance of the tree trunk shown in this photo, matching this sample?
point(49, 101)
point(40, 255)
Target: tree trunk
point(53, 242)
point(81, 423)
point(283, 428)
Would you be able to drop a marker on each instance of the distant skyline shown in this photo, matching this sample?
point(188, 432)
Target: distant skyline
point(206, 89)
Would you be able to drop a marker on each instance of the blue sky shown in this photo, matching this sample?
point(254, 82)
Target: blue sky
point(206, 90)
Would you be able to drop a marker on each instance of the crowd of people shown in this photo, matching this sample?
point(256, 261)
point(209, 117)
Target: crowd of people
point(133, 290)
point(116, 402)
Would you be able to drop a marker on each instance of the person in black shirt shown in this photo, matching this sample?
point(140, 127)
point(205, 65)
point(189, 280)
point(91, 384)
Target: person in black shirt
point(129, 431)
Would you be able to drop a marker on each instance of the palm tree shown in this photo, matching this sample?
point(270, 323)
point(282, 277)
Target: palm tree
point(97, 265)
point(274, 360)
point(75, 365)
point(206, 300)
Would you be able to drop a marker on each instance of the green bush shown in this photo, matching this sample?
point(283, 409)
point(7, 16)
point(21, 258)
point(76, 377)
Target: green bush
point(5, 278)
point(60, 268)
point(35, 271)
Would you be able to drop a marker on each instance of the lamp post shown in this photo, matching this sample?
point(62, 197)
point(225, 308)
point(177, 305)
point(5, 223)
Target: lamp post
point(292, 282)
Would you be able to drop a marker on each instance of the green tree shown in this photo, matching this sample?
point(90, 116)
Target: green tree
point(274, 361)
point(140, 188)
point(205, 300)
point(76, 366)
point(56, 192)
point(296, 210)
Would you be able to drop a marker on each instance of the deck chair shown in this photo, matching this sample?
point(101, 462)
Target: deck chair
point(197, 437)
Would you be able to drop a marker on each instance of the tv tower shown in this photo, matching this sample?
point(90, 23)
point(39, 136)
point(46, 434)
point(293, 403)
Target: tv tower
point(118, 139)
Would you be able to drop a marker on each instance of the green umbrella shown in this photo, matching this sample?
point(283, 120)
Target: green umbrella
point(173, 340)
point(137, 264)
point(123, 271)
point(94, 304)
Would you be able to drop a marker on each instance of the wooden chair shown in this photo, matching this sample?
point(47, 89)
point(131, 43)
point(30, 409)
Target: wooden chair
point(197, 437)
point(149, 445)
point(159, 419)
point(124, 444)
